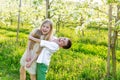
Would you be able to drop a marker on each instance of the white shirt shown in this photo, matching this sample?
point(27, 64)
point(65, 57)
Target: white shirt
point(47, 51)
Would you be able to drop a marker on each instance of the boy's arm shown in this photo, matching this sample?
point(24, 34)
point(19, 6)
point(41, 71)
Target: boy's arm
point(43, 43)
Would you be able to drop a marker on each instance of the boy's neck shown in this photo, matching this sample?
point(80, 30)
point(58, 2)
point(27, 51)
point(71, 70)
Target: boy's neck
point(55, 40)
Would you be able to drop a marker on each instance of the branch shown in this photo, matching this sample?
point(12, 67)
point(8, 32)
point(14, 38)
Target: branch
point(51, 2)
point(51, 16)
point(103, 12)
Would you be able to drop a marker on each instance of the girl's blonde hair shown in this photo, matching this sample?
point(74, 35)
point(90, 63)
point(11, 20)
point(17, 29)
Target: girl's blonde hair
point(38, 34)
point(50, 33)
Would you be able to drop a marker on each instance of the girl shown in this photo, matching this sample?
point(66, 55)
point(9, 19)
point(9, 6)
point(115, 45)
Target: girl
point(45, 32)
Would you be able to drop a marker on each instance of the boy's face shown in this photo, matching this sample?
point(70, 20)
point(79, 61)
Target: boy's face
point(45, 29)
point(62, 41)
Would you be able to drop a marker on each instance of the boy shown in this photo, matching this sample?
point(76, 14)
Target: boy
point(49, 47)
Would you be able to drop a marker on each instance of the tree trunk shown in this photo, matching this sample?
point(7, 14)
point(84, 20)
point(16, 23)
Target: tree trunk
point(118, 13)
point(113, 46)
point(11, 20)
point(47, 9)
point(109, 40)
point(18, 21)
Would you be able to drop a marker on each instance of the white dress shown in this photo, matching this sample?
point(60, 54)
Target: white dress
point(32, 68)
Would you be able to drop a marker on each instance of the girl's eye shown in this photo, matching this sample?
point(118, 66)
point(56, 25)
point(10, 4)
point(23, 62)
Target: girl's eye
point(47, 27)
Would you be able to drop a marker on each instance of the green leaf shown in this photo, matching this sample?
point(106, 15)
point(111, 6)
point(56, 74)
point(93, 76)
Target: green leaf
point(113, 1)
point(117, 23)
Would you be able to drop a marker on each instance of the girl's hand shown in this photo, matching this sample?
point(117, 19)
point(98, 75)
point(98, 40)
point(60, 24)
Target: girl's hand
point(28, 58)
point(29, 64)
point(30, 37)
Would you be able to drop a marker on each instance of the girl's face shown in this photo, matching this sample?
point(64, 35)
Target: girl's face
point(45, 28)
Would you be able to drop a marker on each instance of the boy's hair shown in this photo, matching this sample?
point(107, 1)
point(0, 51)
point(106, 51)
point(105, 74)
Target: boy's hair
point(69, 43)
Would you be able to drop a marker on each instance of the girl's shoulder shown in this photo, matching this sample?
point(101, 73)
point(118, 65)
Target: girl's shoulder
point(34, 31)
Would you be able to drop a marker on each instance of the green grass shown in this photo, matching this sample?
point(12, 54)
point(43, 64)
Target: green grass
point(86, 60)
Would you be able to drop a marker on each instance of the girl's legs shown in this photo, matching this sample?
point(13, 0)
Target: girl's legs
point(32, 76)
point(22, 73)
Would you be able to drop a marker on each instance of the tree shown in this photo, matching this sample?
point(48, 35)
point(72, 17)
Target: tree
point(47, 9)
point(18, 21)
point(112, 38)
point(109, 40)
point(113, 44)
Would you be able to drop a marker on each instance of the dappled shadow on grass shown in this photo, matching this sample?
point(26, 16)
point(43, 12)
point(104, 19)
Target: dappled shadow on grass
point(25, 31)
point(89, 52)
point(9, 33)
point(93, 42)
point(92, 49)
point(98, 28)
point(90, 46)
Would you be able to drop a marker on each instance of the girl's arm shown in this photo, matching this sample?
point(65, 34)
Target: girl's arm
point(28, 55)
point(34, 39)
